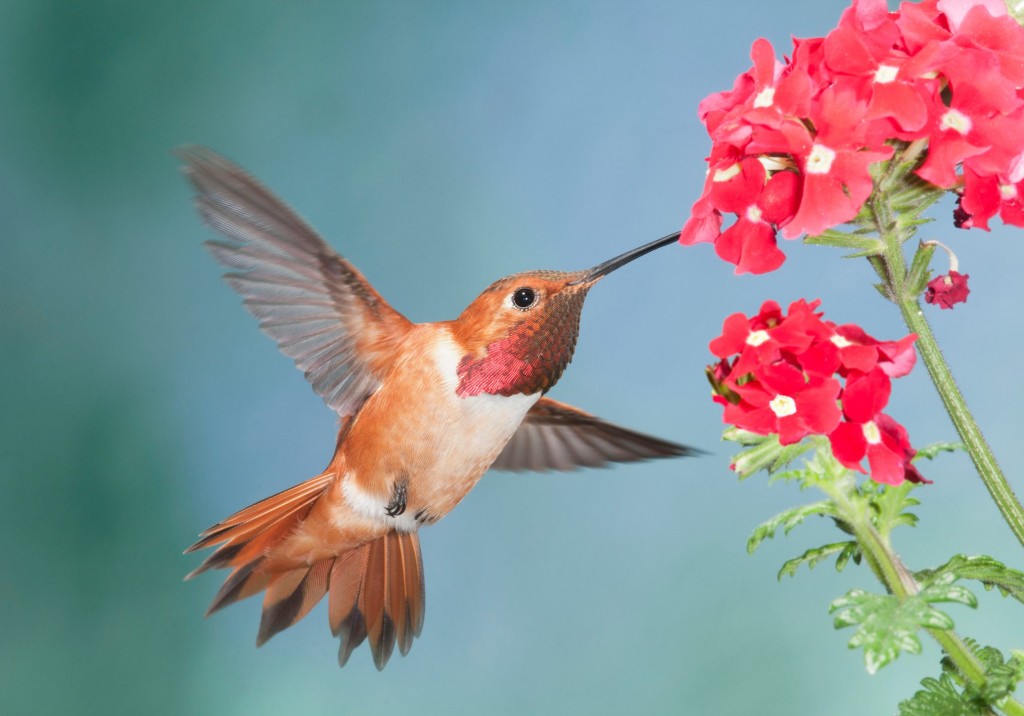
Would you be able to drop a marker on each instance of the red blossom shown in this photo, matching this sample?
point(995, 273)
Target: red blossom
point(885, 444)
point(793, 141)
point(781, 372)
point(781, 399)
point(948, 290)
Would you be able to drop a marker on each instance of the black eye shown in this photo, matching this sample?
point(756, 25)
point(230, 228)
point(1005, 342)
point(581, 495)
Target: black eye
point(524, 297)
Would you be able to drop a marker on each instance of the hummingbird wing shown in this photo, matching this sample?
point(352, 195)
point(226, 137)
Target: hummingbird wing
point(556, 436)
point(315, 304)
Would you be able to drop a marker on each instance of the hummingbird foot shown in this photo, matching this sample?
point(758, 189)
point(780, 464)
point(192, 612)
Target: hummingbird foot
point(396, 505)
point(424, 518)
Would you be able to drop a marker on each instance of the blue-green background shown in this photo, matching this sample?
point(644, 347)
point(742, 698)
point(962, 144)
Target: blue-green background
point(438, 146)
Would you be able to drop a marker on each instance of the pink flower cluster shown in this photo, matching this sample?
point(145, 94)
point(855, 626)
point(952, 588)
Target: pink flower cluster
point(792, 142)
point(795, 374)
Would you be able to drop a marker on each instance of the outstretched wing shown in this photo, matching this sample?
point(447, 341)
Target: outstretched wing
point(315, 304)
point(556, 436)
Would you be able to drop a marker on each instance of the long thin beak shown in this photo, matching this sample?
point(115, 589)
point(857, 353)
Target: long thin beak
point(603, 269)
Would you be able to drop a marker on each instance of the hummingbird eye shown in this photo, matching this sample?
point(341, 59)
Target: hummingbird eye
point(524, 297)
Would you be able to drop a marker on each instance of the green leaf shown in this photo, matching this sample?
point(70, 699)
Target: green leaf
point(814, 555)
point(890, 503)
point(787, 520)
point(852, 552)
point(940, 698)
point(863, 245)
point(931, 451)
point(886, 625)
point(942, 589)
point(990, 572)
point(1001, 675)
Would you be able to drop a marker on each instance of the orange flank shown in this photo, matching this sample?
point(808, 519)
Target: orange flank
point(426, 409)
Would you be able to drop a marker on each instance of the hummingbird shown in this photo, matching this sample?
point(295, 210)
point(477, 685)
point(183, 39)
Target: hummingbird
point(425, 409)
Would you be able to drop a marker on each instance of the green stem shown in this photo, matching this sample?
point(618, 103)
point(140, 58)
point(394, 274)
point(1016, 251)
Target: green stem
point(956, 406)
point(894, 231)
point(895, 576)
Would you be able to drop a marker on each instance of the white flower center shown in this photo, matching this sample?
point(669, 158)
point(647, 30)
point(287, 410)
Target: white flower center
point(764, 98)
point(840, 342)
point(1008, 191)
point(820, 159)
point(871, 433)
point(756, 338)
point(754, 213)
point(783, 406)
point(885, 74)
point(727, 173)
point(957, 121)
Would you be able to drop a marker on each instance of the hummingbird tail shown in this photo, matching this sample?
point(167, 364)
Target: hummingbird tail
point(376, 589)
point(377, 592)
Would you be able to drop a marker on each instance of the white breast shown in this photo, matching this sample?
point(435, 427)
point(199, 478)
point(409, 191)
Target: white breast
point(476, 429)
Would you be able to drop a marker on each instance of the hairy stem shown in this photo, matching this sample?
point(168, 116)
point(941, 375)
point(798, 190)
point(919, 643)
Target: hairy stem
point(894, 231)
point(895, 576)
point(956, 406)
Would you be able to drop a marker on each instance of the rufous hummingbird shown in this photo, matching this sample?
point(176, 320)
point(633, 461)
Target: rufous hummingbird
point(425, 410)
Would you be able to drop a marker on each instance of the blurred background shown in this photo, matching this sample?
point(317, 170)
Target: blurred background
point(438, 146)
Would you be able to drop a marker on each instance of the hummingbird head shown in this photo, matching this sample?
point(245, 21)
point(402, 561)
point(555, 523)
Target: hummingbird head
point(520, 333)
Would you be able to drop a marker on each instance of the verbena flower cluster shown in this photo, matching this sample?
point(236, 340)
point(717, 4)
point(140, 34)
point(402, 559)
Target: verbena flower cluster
point(792, 142)
point(796, 374)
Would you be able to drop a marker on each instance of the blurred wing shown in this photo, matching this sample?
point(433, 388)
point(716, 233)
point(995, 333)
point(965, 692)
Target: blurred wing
point(556, 436)
point(315, 304)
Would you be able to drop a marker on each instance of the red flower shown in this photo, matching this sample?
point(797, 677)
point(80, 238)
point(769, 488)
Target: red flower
point(770, 336)
point(885, 444)
point(947, 290)
point(946, 73)
point(778, 373)
point(780, 399)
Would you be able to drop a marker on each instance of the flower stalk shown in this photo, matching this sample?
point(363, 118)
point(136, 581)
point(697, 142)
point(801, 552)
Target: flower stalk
point(897, 578)
point(904, 293)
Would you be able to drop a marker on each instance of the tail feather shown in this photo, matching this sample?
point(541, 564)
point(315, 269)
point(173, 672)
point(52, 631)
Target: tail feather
point(375, 590)
point(377, 593)
point(257, 517)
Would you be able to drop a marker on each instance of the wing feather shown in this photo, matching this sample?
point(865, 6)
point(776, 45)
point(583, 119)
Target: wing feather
point(556, 436)
point(320, 310)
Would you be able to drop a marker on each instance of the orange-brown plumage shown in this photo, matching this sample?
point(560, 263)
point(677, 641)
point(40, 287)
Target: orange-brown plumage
point(425, 410)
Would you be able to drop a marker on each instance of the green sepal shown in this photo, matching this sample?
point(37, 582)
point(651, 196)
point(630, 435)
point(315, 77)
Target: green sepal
point(764, 452)
point(862, 244)
point(919, 274)
point(845, 551)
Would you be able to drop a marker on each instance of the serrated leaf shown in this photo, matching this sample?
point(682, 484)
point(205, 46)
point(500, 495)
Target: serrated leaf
point(929, 452)
point(1001, 675)
point(886, 625)
point(814, 555)
point(852, 551)
point(990, 572)
point(787, 520)
point(939, 698)
point(891, 503)
point(942, 589)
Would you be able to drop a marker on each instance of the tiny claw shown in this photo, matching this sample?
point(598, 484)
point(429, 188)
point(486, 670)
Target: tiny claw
point(397, 504)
